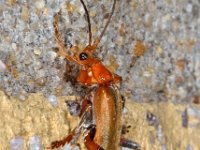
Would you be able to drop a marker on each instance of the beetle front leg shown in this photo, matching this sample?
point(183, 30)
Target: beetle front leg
point(129, 144)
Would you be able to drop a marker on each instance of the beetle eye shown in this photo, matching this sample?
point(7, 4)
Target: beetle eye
point(83, 56)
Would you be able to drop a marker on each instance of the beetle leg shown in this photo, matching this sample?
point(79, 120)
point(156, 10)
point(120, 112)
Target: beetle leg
point(90, 144)
point(129, 144)
point(85, 104)
point(86, 119)
point(61, 143)
point(88, 139)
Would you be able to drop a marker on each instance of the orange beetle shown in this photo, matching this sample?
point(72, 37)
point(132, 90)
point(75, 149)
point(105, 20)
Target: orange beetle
point(101, 108)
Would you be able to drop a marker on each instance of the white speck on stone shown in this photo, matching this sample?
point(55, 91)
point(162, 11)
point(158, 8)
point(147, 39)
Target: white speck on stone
point(22, 96)
point(67, 147)
point(53, 100)
point(76, 148)
point(16, 143)
point(79, 6)
point(193, 112)
point(160, 134)
point(189, 147)
point(39, 4)
point(146, 74)
point(51, 55)
point(181, 92)
point(165, 21)
point(197, 69)
point(189, 8)
point(40, 74)
point(2, 66)
point(35, 143)
point(37, 51)
point(198, 82)
point(14, 46)
point(125, 110)
point(81, 10)
point(164, 147)
point(148, 19)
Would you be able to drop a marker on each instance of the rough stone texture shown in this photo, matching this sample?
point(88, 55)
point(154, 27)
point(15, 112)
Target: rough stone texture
point(153, 45)
point(37, 118)
point(33, 117)
point(169, 69)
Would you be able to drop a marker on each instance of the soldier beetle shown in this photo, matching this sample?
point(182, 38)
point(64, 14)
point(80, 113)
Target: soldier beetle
point(101, 109)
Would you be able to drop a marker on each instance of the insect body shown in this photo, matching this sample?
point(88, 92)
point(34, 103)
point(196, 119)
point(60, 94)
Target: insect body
point(101, 108)
point(107, 109)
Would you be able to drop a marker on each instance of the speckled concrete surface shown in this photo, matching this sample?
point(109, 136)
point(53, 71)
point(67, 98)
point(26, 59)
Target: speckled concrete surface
point(170, 30)
point(167, 70)
point(35, 123)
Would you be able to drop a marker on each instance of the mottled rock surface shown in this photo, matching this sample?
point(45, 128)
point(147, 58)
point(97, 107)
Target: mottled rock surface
point(35, 123)
point(153, 45)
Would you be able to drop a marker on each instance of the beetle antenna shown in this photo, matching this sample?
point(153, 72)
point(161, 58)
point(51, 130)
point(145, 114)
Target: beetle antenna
point(88, 20)
point(98, 39)
point(59, 41)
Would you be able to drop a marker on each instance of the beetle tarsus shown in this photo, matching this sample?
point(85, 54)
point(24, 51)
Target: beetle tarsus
point(61, 143)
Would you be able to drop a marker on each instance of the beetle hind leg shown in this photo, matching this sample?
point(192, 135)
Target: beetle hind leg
point(85, 120)
point(88, 139)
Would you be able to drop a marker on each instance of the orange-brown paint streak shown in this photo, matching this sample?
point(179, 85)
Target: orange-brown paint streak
point(107, 109)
